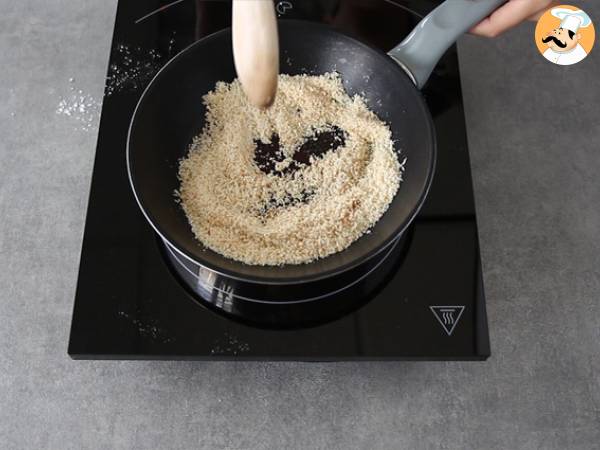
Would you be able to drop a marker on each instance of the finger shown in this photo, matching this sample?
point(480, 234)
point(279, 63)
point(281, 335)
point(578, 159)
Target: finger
point(506, 17)
point(536, 16)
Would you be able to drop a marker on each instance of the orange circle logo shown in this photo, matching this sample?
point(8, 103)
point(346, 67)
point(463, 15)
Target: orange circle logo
point(565, 35)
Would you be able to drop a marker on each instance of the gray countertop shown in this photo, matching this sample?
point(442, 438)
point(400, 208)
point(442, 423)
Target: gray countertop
point(534, 134)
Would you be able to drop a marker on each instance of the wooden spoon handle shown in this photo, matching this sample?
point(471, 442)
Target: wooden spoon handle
point(256, 49)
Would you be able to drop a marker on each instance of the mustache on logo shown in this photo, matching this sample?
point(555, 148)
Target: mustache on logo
point(555, 40)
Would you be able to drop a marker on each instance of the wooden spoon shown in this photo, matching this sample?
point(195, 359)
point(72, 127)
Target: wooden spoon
point(256, 49)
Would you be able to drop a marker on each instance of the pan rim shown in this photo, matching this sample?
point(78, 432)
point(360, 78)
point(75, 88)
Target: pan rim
point(301, 279)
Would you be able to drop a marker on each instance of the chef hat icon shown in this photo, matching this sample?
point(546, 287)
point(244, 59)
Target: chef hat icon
point(570, 19)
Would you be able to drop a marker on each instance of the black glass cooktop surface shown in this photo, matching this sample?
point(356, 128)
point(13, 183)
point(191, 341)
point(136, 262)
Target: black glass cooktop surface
point(428, 300)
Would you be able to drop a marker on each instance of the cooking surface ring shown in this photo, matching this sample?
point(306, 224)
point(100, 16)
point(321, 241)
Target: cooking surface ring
point(306, 300)
point(227, 302)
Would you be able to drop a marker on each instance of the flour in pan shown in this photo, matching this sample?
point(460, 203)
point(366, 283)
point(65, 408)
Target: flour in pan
point(282, 208)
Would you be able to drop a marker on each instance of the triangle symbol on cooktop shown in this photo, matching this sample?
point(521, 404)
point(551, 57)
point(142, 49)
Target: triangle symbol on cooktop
point(447, 316)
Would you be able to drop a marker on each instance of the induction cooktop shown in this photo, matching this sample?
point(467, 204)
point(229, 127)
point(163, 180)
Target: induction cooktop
point(425, 301)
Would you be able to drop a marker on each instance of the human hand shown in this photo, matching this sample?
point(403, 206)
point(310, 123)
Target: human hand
point(511, 14)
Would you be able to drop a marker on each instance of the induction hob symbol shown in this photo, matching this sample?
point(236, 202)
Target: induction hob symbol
point(447, 316)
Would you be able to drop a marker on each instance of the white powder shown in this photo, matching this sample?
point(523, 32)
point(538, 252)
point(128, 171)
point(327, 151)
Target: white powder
point(82, 108)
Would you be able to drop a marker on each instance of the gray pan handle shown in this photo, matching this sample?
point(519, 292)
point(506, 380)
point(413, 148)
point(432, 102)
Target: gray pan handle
point(420, 51)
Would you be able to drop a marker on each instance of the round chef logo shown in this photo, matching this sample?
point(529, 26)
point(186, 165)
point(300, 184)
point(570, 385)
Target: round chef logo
point(565, 35)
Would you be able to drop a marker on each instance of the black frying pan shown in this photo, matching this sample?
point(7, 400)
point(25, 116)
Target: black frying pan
point(170, 113)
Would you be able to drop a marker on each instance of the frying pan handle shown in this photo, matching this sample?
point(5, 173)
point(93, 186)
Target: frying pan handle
point(420, 51)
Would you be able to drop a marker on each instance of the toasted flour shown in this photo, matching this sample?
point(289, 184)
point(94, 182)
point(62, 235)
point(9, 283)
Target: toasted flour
point(288, 216)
